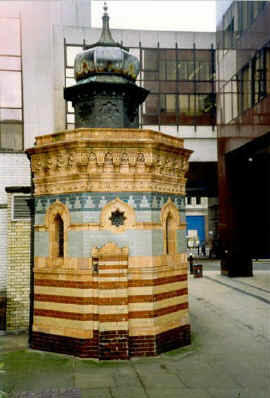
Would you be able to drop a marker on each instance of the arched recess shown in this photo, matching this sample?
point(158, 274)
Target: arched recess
point(117, 216)
point(170, 221)
point(57, 221)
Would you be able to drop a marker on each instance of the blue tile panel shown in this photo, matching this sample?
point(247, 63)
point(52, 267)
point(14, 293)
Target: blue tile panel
point(41, 244)
point(80, 217)
point(181, 241)
point(39, 218)
point(140, 243)
point(86, 208)
point(93, 201)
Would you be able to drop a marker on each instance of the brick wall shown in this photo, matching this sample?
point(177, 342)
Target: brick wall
point(18, 278)
point(14, 171)
point(3, 250)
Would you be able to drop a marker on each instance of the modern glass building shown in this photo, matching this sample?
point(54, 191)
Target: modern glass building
point(243, 94)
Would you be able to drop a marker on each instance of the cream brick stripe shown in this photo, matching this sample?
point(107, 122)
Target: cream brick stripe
point(86, 272)
point(81, 300)
point(76, 292)
point(109, 307)
point(109, 300)
point(112, 268)
point(106, 285)
point(62, 323)
point(136, 327)
point(81, 316)
point(109, 317)
point(80, 309)
point(157, 312)
point(111, 272)
point(113, 264)
point(88, 293)
point(107, 278)
point(145, 327)
point(63, 331)
point(139, 327)
point(73, 308)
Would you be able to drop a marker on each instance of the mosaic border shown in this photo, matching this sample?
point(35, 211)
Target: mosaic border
point(93, 201)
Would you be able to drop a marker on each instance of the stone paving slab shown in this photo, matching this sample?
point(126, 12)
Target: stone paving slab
point(172, 392)
point(95, 393)
point(93, 381)
point(129, 392)
point(52, 393)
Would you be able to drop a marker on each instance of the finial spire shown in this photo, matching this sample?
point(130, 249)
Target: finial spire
point(105, 8)
point(106, 36)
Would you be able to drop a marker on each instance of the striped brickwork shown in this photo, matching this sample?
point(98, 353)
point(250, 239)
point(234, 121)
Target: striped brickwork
point(126, 306)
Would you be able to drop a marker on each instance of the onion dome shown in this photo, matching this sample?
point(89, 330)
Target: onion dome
point(106, 60)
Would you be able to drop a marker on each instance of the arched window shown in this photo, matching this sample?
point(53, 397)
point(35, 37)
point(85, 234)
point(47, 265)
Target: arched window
point(170, 235)
point(170, 221)
point(59, 235)
point(57, 221)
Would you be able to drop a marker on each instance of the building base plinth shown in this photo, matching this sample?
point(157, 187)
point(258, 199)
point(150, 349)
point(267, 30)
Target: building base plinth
point(112, 345)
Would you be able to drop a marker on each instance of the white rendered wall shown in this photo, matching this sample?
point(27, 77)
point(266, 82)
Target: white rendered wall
point(201, 140)
point(14, 171)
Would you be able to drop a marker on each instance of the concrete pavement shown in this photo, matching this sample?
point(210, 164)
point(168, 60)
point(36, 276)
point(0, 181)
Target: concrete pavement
point(229, 356)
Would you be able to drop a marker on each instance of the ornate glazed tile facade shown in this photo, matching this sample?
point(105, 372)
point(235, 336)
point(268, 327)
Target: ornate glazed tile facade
point(110, 264)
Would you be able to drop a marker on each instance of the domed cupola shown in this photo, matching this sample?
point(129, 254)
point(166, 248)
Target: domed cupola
point(106, 59)
point(105, 93)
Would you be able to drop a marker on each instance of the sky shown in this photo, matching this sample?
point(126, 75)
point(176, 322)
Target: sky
point(181, 15)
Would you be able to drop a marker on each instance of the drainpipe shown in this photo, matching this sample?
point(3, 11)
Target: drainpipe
point(31, 204)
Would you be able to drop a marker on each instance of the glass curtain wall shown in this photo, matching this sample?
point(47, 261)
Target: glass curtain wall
point(11, 99)
point(181, 85)
point(248, 87)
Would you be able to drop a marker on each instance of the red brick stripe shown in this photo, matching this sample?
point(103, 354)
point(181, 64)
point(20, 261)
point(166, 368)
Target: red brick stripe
point(111, 317)
point(81, 285)
point(105, 258)
point(68, 284)
point(81, 317)
point(109, 300)
point(112, 275)
point(157, 313)
point(113, 266)
point(109, 285)
point(157, 282)
point(112, 285)
point(81, 300)
point(65, 315)
point(157, 297)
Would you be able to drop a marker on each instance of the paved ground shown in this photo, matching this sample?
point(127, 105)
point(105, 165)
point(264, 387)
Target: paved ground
point(229, 357)
point(214, 265)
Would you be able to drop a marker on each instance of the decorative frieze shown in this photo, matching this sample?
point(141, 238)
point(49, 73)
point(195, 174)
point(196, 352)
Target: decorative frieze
point(95, 201)
point(109, 160)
